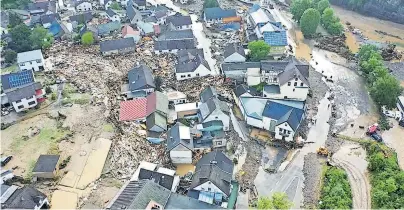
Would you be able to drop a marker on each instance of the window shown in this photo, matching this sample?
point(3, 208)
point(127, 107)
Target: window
point(20, 107)
point(182, 76)
point(216, 117)
point(18, 101)
point(31, 103)
point(275, 79)
point(296, 79)
point(289, 132)
point(189, 75)
point(22, 64)
point(209, 189)
point(285, 97)
point(219, 143)
point(284, 131)
point(197, 74)
point(295, 84)
point(301, 84)
point(289, 83)
point(293, 90)
point(280, 129)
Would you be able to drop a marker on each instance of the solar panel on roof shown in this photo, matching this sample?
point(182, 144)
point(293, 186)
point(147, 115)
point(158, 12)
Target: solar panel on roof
point(21, 78)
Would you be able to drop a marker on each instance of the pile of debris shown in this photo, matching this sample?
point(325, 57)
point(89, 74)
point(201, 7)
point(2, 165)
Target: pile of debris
point(312, 174)
point(390, 53)
point(334, 44)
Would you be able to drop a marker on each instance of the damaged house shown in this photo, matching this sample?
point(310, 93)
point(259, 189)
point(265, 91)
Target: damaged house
point(216, 15)
point(211, 182)
point(141, 82)
point(13, 197)
point(234, 53)
point(117, 46)
point(212, 109)
point(191, 64)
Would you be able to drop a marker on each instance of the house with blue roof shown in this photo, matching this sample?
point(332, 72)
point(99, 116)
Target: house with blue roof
point(280, 117)
point(216, 15)
point(269, 29)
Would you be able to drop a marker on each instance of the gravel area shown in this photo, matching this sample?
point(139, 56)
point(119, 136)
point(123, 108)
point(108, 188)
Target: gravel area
point(312, 174)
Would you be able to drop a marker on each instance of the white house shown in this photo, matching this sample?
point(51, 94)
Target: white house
point(82, 6)
point(197, 67)
point(107, 3)
point(179, 22)
point(180, 144)
point(213, 175)
point(113, 16)
point(31, 60)
point(234, 53)
point(212, 109)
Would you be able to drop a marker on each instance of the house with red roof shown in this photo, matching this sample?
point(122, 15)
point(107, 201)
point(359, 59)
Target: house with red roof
point(128, 31)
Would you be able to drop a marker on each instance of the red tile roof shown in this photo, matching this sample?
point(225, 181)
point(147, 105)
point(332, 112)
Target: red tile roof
point(129, 30)
point(38, 92)
point(133, 109)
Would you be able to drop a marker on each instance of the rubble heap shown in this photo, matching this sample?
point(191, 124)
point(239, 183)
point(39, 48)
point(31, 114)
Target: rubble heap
point(334, 44)
point(390, 53)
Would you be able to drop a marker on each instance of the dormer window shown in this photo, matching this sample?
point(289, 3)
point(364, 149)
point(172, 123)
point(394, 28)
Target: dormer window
point(296, 79)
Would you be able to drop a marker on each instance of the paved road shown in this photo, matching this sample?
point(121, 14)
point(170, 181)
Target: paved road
point(291, 179)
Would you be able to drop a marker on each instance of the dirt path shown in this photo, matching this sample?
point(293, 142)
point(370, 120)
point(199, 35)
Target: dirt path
point(352, 158)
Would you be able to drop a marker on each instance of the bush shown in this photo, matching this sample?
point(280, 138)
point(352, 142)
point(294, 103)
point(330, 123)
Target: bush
point(336, 191)
point(87, 38)
point(235, 161)
point(10, 56)
point(48, 90)
point(259, 50)
point(53, 96)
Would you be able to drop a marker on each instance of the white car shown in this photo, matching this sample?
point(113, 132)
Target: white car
point(389, 114)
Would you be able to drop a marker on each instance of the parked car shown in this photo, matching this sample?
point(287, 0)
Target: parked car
point(5, 160)
point(376, 137)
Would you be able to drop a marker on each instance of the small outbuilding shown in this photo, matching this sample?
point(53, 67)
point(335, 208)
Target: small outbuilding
point(46, 167)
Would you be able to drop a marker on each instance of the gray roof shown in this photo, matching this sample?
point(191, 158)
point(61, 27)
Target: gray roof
point(117, 44)
point(232, 48)
point(130, 10)
point(46, 163)
point(87, 17)
point(241, 89)
point(110, 12)
point(275, 89)
point(140, 77)
point(162, 179)
point(211, 105)
point(44, 6)
point(140, 2)
point(174, 139)
point(192, 65)
point(4, 19)
point(188, 55)
point(179, 20)
point(29, 56)
point(151, 19)
point(24, 91)
point(295, 69)
point(207, 93)
point(49, 18)
point(157, 119)
point(177, 201)
point(216, 168)
point(138, 194)
point(24, 198)
point(293, 117)
point(226, 67)
point(177, 35)
point(174, 44)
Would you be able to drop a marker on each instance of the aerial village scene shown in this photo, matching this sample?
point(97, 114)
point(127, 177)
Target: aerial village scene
point(202, 104)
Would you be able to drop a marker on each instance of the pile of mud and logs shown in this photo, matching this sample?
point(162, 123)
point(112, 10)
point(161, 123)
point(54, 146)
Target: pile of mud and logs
point(334, 44)
point(390, 53)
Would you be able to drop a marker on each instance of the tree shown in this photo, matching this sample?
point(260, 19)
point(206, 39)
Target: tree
point(277, 201)
point(366, 51)
point(20, 41)
point(378, 72)
point(309, 22)
point(385, 91)
point(115, 5)
point(9, 56)
point(40, 38)
point(258, 50)
point(298, 7)
point(13, 20)
point(322, 5)
point(14, 4)
point(367, 66)
point(210, 4)
point(87, 38)
point(336, 28)
point(327, 17)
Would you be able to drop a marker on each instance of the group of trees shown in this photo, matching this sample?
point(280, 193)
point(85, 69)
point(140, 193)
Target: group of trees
point(259, 50)
point(386, 178)
point(336, 192)
point(14, 4)
point(115, 5)
point(309, 13)
point(384, 88)
point(277, 201)
point(210, 3)
point(25, 39)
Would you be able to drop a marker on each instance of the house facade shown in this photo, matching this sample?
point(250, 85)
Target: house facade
point(234, 53)
point(216, 15)
point(179, 22)
point(173, 46)
point(84, 6)
point(212, 109)
point(113, 16)
point(31, 60)
point(180, 144)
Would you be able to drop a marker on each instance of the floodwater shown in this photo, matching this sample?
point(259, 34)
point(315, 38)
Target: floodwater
point(368, 25)
point(351, 42)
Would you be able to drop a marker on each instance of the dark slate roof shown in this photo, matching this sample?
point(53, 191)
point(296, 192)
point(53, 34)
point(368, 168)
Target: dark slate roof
point(226, 67)
point(295, 68)
point(24, 91)
point(216, 168)
point(188, 55)
point(273, 65)
point(275, 89)
point(42, 5)
point(17, 79)
point(46, 163)
point(174, 139)
point(160, 14)
point(177, 35)
point(241, 89)
point(207, 93)
point(177, 201)
point(179, 20)
point(110, 12)
point(162, 179)
point(140, 2)
point(283, 113)
point(174, 44)
point(106, 28)
point(232, 48)
point(192, 65)
point(88, 16)
point(117, 44)
point(49, 18)
point(140, 77)
point(130, 10)
point(211, 105)
point(24, 198)
point(157, 119)
point(217, 13)
point(138, 194)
